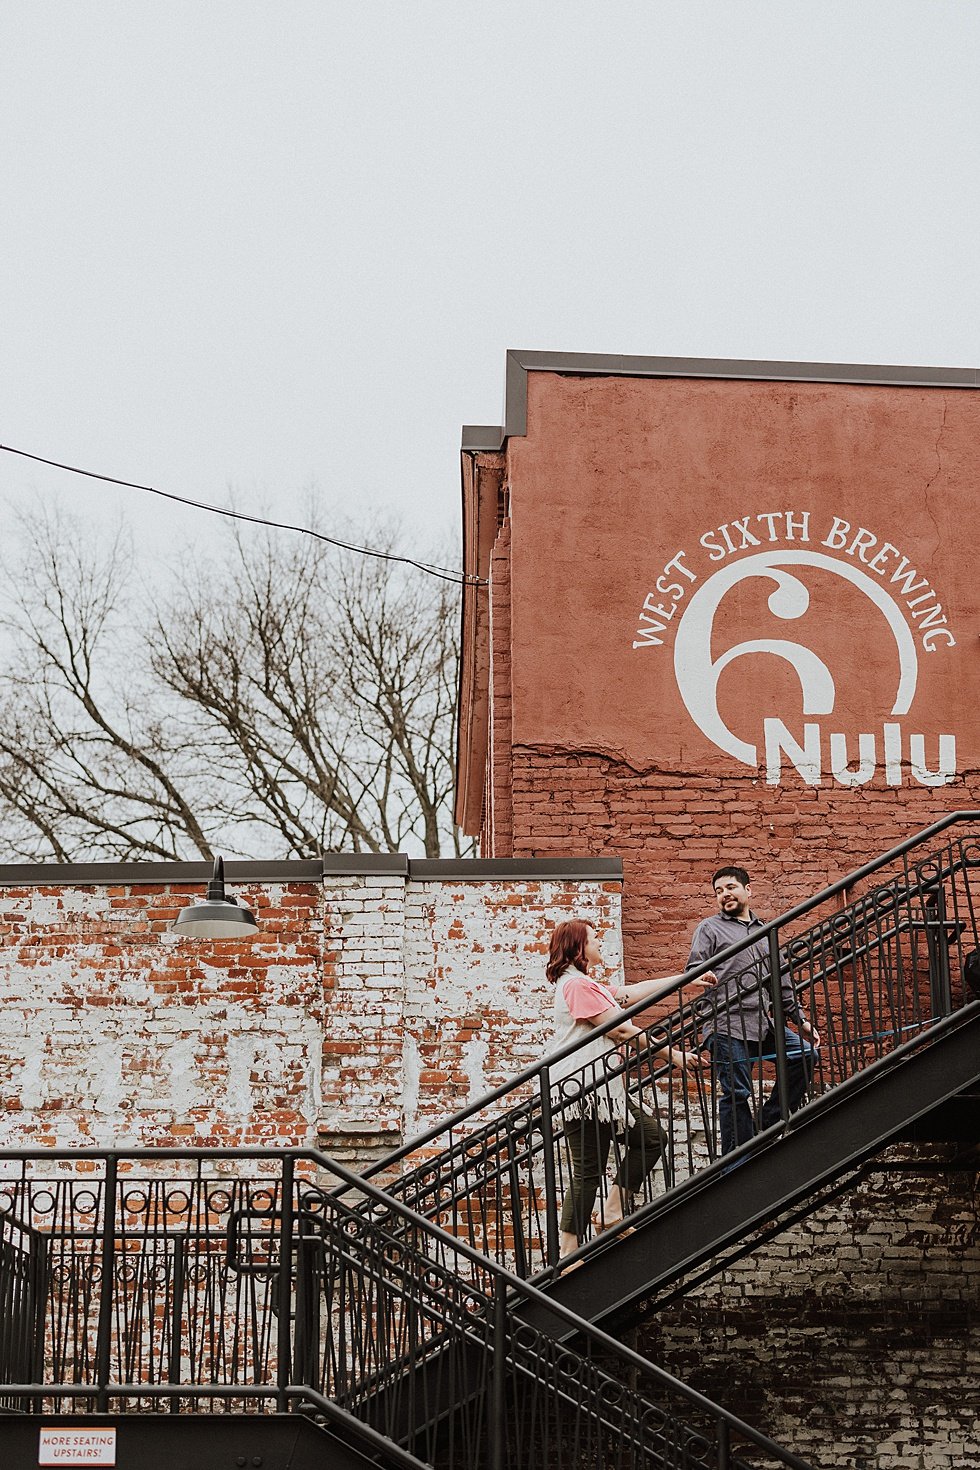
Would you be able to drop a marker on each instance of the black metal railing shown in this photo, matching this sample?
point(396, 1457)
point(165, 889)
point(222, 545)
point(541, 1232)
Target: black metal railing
point(21, 1288)
point(201, 1281)
point(213, 1281)
point(879, 962)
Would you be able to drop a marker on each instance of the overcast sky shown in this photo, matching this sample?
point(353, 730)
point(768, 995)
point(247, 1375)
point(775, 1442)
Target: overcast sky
point(254, 248)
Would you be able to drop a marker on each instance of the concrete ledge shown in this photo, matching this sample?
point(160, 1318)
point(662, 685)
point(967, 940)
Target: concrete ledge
point(369, 864)
point(35, 875)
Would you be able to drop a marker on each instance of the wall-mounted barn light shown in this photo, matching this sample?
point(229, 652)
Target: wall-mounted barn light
point(218, 917)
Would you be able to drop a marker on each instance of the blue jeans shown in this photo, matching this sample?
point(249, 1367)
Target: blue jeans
point(732, 1062)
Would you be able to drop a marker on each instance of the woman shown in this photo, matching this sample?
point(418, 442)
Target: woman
point(594, 1103)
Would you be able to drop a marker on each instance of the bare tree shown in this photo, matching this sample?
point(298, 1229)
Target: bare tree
point(86, 768)
point(331, 682)
point(288, 701)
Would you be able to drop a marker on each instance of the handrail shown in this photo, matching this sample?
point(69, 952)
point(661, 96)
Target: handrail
point(498, 1175)
point(499, 1184)
point(533, 1070)
point(613, 1068)
point(818, 1105)
point(868, 921)
point(389, 1203)
point(528, 1073)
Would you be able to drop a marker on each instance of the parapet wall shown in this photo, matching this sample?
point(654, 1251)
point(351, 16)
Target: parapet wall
point(379, 995)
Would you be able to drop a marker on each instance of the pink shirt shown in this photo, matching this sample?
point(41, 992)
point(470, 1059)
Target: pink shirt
point(586, 998)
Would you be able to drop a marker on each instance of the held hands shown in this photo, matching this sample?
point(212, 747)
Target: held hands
point(703, 982)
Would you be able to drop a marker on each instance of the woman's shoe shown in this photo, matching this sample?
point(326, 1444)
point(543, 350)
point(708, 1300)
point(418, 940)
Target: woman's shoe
point(601, 1223)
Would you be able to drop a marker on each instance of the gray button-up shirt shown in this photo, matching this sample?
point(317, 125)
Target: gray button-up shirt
point(738, 1004)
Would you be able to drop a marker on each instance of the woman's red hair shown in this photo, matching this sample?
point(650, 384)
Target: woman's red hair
point(567, 947)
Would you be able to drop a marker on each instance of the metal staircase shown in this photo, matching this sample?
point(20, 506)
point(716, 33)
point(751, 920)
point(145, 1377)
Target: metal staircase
point(711, 1220)
point(879, 960)
point(216, 1290)
point(242, 1298)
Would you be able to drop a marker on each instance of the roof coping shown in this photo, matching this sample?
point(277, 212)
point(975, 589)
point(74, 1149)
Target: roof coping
point(331, 865)
point(487, 438)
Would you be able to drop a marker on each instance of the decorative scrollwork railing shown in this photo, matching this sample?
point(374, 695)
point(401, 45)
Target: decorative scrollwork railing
point(201, 1281)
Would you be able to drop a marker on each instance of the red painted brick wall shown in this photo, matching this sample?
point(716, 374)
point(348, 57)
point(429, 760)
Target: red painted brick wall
point(499, 801)
point(673, 831)
point(612, 479)
point(851, 1338)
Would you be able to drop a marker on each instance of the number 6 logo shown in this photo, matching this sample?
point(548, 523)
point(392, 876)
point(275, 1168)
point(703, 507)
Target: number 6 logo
point(697, 673)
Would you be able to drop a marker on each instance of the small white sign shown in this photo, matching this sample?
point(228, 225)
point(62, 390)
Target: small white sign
point(77, 1447)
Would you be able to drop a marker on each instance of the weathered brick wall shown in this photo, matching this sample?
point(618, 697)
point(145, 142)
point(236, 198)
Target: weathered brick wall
point(469, 1027)
point(853, 1338)
point(368, 1004)
point(363, 1038)
point(114, 1029)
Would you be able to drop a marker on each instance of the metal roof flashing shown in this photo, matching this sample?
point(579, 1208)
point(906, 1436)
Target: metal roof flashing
point(485, 438)
point(392, 865)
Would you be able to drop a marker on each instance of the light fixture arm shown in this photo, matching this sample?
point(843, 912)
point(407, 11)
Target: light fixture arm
point(216, 884)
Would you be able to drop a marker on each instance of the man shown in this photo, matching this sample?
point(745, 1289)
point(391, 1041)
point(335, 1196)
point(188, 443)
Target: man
point(737, 1029)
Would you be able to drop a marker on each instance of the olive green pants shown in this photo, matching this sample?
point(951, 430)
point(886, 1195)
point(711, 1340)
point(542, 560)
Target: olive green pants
point(639, 1145)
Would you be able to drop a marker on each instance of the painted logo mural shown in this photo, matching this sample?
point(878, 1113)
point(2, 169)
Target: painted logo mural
point(811, 584)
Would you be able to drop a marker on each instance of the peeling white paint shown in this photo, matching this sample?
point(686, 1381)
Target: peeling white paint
point(429, 993)
point(411, 1072)
point(476, 1055)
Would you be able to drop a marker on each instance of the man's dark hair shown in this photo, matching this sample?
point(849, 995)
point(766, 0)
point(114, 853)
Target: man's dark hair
point(738, 873)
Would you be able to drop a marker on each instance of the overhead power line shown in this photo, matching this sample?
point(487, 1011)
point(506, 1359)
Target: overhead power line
point(446, 574)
